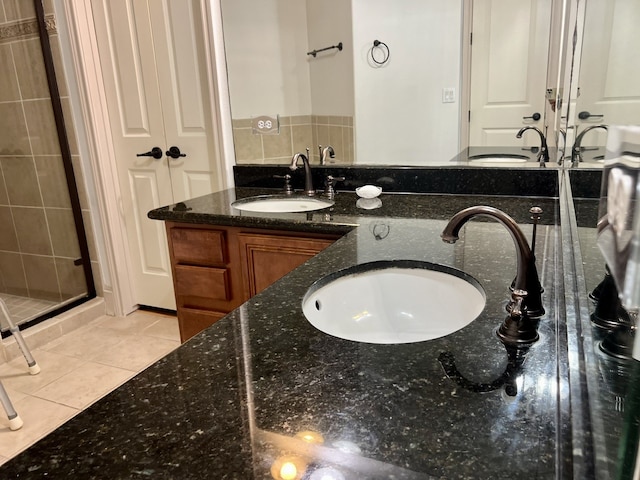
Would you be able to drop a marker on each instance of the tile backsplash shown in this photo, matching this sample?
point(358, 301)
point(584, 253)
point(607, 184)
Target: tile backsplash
point(296, 134)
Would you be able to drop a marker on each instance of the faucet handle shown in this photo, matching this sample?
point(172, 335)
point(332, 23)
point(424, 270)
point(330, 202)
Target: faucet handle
point(330, 183)
point(518, 329)
point(288, 189)
point(515, 305)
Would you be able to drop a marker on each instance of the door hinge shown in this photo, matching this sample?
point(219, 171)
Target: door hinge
point(470, 38)
point(469, 115)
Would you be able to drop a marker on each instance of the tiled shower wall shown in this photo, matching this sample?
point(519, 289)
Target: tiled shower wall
point(38, 241)
point(296, 134)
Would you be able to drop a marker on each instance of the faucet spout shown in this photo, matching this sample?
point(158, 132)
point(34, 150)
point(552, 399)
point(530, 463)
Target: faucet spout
point(576, 153)
point(328, 150)
point(308, 180)
point(527, 279)
point(543, 156)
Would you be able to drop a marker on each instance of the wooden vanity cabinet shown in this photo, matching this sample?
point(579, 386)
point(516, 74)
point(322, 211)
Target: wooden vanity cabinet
point(217, 268)
point(267, 258)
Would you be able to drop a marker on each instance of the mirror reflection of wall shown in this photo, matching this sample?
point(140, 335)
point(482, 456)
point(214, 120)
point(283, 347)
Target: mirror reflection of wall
point(607, 90)
point(270, 73)
point(401, 116)
point(396, 113)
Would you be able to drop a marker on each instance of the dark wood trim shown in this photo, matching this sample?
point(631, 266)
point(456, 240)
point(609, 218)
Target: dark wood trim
point(65, 150)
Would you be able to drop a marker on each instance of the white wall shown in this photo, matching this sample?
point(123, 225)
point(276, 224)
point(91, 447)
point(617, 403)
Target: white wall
point(328, 23)
point(266, 45)
point(399, 114)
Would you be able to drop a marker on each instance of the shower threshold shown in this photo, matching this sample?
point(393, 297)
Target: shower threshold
point(25, 310)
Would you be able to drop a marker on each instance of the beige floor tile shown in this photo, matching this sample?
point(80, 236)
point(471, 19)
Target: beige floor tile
point(131, 324)
point(40, 418)
point(71, 380)
point(14, 395)
point(136, 353)
point(86, 343)
point(15, 374)
point(85, 385)
point(164, 327)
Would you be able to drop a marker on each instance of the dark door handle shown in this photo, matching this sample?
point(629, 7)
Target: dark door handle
point(155, 152)
point(584, 115)
point(536, 116)
point(174, 152)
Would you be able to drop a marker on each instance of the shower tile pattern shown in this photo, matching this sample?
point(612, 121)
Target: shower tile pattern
point(38, 244)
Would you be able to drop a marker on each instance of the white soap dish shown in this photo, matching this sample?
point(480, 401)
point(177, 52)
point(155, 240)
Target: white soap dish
point(368, 191)
point(369, 203)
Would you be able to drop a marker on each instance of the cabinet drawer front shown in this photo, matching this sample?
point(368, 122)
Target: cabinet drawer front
point(198, 246)
point(194, 321)
point(202, 282)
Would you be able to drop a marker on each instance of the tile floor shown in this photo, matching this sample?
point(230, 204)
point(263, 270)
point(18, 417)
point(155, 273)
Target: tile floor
point(79, 368)
point(23, 309)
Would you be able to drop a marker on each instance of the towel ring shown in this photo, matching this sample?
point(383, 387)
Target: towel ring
point(378, 45)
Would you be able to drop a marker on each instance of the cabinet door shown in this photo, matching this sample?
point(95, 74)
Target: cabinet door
point(267, 258)
point(193, 321)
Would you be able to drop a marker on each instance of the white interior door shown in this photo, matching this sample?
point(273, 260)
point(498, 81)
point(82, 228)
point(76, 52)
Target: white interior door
point(609, 90)
point(182, 77)
point(508, 70)
point(151, 53)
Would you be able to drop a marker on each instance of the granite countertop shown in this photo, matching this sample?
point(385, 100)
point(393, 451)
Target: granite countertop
point(229, 402)
point(608, 379)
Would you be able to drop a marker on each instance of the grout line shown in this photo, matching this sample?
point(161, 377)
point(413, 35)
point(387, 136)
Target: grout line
point(93, 324)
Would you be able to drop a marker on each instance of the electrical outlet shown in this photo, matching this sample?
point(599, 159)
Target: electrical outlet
point(265, 125)
point(449, 95)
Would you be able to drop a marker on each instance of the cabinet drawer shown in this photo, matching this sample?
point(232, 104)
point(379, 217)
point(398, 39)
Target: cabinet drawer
point(203, 282)
point(194, 321)
point(196, 246)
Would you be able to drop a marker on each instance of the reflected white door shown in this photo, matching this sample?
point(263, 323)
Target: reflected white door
point(508, 70)
point(152, 56)
point(609, 89)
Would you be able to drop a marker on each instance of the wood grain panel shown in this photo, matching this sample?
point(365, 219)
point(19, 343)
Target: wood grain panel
point(267, 258)
point(194, 321)
point(198, 246)
point(204, 282)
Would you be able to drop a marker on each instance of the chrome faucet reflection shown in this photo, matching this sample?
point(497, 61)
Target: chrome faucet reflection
point(526, 300)
point(324, 152)
point(576, 151)
point(543, 156)
point(308, 181)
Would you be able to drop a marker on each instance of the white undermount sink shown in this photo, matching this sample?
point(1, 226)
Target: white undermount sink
point(393, 302)
point(281, 204)
point(498, 158)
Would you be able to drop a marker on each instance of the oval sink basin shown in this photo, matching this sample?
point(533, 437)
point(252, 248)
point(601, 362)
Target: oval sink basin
point(281, 204)
point(498, 158)
point(392, 302)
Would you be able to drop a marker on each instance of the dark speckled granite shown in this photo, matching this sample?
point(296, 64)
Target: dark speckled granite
point(230, 401)
point(459, 180)
point(606, 380)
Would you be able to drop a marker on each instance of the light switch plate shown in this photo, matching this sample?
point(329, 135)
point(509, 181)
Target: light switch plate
point(449, 95)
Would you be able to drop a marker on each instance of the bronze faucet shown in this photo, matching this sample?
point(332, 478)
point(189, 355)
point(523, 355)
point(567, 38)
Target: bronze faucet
point(308, 181)
point(543, 156)
point(576, 152)
point(526, 301)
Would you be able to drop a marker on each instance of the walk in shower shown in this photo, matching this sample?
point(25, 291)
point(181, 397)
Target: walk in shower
point(44, 256)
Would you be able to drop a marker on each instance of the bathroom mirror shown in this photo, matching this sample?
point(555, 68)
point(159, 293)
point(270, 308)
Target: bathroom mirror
point(394, 91)
point(271, 73)
point(604, 88)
